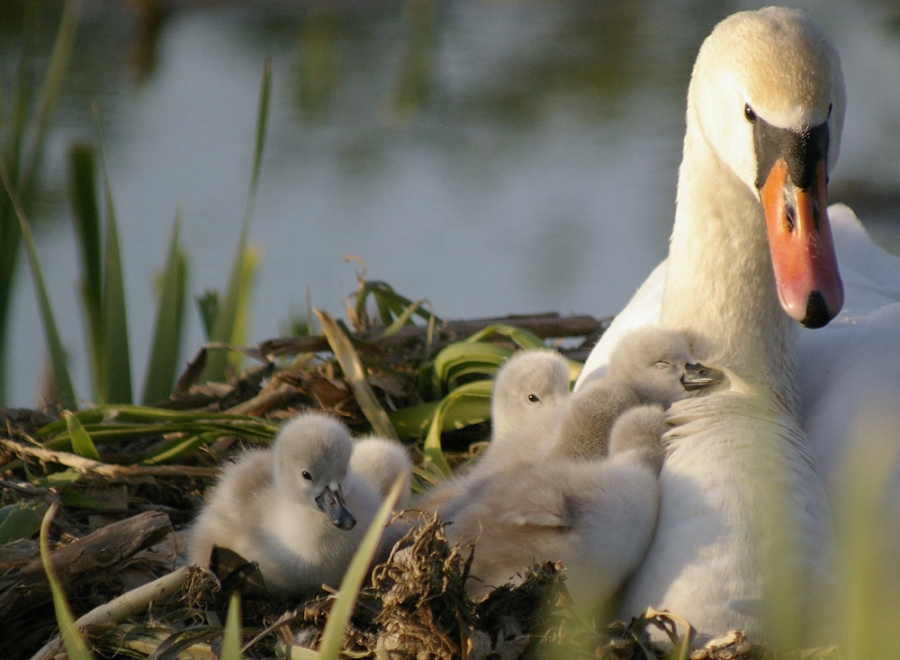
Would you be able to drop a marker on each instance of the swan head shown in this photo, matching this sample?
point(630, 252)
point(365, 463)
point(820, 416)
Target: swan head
point(530, 390)
point(656, 363)
point(310, 456)
point(767, 94)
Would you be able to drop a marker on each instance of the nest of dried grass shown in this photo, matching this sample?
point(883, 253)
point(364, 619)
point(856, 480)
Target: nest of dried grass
point(121, 524)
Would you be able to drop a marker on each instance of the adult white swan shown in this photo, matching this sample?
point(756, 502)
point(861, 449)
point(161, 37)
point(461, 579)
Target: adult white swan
point(744, 524)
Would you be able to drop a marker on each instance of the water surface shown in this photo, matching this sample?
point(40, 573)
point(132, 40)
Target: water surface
point(493, 157)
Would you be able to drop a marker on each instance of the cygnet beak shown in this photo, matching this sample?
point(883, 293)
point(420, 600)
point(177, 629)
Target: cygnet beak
point(699, 376)
point(331, 501)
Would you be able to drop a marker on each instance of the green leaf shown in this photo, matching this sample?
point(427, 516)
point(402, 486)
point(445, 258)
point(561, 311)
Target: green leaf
point(231, 641)
point(473, 398)
point(116, 354)
point(180, 447)
point(355, 375)
point(342, 609)
point(51, 86)
point(411, 421)
point(465, 358)
point(20, 521)
point(85, 208)
point(76, 647)
point(81, 440)
point(23, 164)
point(62, 382)
point(162, 369)
point(208, 307)
point(390, 304)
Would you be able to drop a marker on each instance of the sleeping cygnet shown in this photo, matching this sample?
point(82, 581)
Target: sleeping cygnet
point(650, 365)
point(529, 392)
point(597, 516)
point(295, 509)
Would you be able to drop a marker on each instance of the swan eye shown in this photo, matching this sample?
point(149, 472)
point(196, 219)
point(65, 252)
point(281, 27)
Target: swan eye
point(534, 398)
point(306, 475)
point(662, 364)
point(749, 114)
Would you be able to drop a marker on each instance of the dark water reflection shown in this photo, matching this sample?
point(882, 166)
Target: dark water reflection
point(495, 157)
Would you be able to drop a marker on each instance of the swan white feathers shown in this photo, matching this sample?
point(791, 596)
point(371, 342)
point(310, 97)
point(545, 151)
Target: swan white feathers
point(751, 252)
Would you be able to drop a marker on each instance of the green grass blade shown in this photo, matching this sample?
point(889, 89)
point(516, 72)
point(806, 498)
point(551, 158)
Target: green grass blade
point(22, 168)
point(75, 645)
point(262, 121)
point(81, 440)
point(342, 609)
point(86, 210)
point(475, 399)
point(51, 86)
point(228, 312)
point(403, 318)
point(62, 381)
point(180, 447)
point(117, 356)
point(208, 308)
point(231, 641)
point(239, 334)
point(389, 303)
point(355, 375)
point(22, 92)
point(163, 367)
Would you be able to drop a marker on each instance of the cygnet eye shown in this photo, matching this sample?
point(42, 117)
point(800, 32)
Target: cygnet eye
point(749, 114)
point(306, 475)
point(662, 364)
point(534, 398)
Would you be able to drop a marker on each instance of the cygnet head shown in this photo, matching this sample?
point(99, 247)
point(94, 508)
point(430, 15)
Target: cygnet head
point(656, 363)
point(529, 392)
point(310, 457)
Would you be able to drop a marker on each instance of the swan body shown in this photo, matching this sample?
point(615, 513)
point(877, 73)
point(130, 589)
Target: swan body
point(743, 506)
point(841, 367)
point(295, 509)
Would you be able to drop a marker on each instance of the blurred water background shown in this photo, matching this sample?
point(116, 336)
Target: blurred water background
point(492, 156)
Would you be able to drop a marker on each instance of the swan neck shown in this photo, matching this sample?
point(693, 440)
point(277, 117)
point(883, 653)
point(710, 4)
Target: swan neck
point(720, 284)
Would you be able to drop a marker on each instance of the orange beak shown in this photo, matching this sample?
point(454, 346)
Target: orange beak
point(806, 271)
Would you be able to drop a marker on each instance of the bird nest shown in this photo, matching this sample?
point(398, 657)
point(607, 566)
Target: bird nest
point(118, 535)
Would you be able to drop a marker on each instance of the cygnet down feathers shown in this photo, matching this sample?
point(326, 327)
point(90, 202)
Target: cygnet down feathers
point(295, 508)
point(597, 516)
point(530, 390)
point(650, 365)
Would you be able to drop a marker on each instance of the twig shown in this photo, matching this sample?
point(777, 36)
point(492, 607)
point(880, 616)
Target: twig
point(90, 466)
point(127, 605)
point(542, 325)
point(264, 400)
